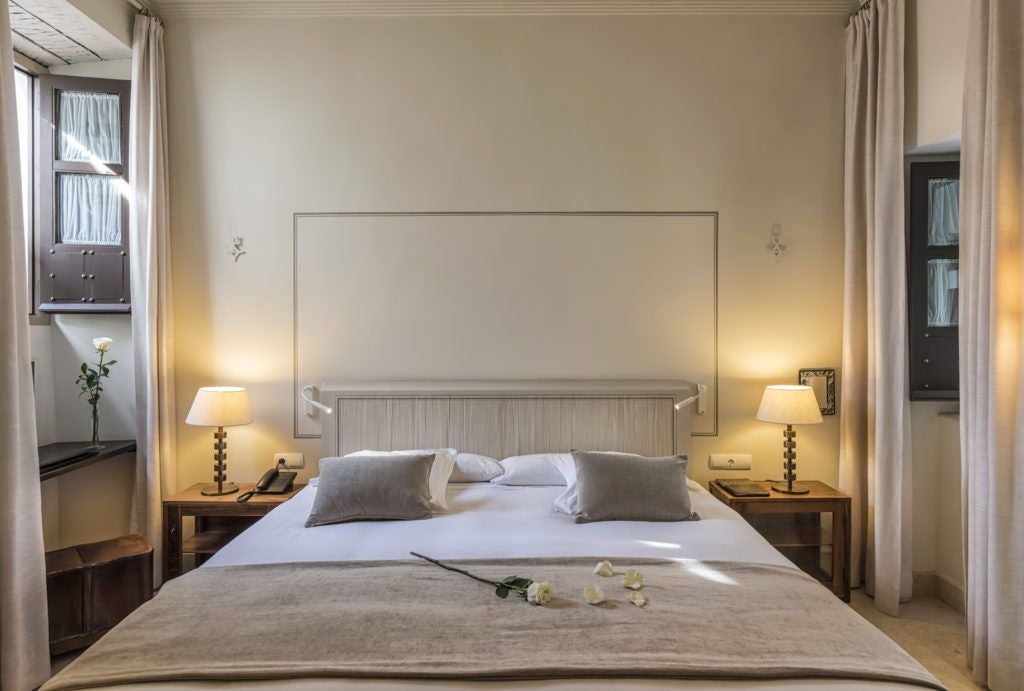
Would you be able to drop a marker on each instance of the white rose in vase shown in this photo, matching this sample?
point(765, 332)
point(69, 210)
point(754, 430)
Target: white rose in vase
point(102, 344)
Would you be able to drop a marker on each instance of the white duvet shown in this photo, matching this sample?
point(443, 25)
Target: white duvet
point(488, 520)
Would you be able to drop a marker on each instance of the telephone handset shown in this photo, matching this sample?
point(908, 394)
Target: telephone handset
point(274, 481)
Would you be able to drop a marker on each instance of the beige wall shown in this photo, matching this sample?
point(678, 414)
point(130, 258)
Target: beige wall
point(936, 56)
point(739, 114)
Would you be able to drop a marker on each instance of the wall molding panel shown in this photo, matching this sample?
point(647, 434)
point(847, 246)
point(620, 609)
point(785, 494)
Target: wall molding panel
point(509, 295)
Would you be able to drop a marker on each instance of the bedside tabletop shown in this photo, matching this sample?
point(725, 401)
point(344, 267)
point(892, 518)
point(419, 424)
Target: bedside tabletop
point(219, 519)
point(804, 536)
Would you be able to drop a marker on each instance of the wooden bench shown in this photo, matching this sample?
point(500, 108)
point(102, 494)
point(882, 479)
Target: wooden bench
point(92, 587)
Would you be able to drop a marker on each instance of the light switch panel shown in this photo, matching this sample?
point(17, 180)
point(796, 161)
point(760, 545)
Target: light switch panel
point(290, 460)
point(729, 461)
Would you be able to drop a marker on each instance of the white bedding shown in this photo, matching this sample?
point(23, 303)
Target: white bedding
point(488, 520)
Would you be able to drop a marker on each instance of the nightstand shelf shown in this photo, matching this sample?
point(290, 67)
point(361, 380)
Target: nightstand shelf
point(796, 535)
point(207, 542)
point(219, 519)
point(792, 524)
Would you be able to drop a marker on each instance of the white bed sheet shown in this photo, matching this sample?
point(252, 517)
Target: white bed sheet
point(494, 521)
point(497, 521)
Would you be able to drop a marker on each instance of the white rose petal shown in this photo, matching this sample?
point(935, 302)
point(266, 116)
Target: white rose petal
point(604, 568)
point(637, 598)
point(539, 593)
point(102, 344)
point(593, 595)
point(633, 579)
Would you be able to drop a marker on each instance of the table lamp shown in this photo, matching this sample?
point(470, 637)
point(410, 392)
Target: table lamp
point(789, 404)
point(220, 407)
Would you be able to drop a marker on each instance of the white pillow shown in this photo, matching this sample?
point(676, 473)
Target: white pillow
point(568, 502)
point(533, 469)
point(440, 471)
point(472, 467)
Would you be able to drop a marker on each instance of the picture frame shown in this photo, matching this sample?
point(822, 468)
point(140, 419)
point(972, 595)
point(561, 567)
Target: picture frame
point(823, 381)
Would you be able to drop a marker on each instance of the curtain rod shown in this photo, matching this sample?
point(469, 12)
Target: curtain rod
point(142, 6)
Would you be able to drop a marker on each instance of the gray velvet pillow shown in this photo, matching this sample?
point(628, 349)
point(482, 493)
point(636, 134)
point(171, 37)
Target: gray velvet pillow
point(626, 487)
point(369, 488)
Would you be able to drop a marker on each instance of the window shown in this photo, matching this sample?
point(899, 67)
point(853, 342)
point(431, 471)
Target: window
point(933, 273)
point(24, 87)
point(83, 195)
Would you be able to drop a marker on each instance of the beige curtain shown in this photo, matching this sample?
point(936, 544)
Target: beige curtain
point(24, 647)
point(992, 341)
point(874, 462)
point(152, 324)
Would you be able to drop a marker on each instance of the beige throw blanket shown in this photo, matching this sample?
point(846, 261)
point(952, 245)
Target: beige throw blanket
point(708, 620)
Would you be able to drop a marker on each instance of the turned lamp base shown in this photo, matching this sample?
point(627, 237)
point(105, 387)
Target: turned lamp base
point(789, 488)
point(219, 489)
point(789, 465)
point(220, 485)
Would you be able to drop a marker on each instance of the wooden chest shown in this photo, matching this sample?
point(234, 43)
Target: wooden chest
point(92, 587)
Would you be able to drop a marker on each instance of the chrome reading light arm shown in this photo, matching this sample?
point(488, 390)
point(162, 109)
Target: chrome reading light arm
point(701, 390)
point(308, 392)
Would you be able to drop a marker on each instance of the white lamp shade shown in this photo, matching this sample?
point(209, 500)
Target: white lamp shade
point(220, 406)
point(789, 404)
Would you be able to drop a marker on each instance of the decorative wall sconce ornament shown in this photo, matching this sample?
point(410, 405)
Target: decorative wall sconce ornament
point(236, 247)
point(775, 246)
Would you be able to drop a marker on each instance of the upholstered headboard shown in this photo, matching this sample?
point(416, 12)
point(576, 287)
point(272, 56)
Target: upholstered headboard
point(507, 418)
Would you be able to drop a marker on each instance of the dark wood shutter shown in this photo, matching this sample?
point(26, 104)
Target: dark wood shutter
point(82, 277)
point(934, 348)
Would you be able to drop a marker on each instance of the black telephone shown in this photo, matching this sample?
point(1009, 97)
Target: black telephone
point(274, 481)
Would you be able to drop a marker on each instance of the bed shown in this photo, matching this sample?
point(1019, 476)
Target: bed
point(489, 527)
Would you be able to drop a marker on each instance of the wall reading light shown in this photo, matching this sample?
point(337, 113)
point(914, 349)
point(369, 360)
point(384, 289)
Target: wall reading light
point(310, 394)
point(698, 398)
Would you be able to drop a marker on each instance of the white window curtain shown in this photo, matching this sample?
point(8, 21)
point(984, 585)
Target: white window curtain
point(874, 461)
point(944, 207)
point(992, 341)
point(152, 308)
point(943, 292)
point(24, 647)
point(90, 127)
point(90, 209)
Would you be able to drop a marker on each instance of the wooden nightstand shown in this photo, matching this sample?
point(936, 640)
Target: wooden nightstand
point(218, 521)
point(792, 524)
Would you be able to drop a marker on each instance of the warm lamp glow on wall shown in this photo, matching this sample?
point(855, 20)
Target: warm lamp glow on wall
point(220, 407)
point(789, 405)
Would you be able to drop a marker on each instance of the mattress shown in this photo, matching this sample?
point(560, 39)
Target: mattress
point(505, 521)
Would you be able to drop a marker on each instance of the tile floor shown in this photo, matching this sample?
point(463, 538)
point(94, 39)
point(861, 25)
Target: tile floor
point(928, 629)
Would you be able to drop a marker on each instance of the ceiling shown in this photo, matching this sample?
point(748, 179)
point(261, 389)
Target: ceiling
point(55, 32)
point(374, 8)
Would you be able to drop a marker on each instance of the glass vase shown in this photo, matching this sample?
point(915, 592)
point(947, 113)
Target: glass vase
point(95, 444)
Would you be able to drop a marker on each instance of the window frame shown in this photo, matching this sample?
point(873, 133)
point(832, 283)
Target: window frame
point(933, 350)
point(109, 263)
point(35, 317)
